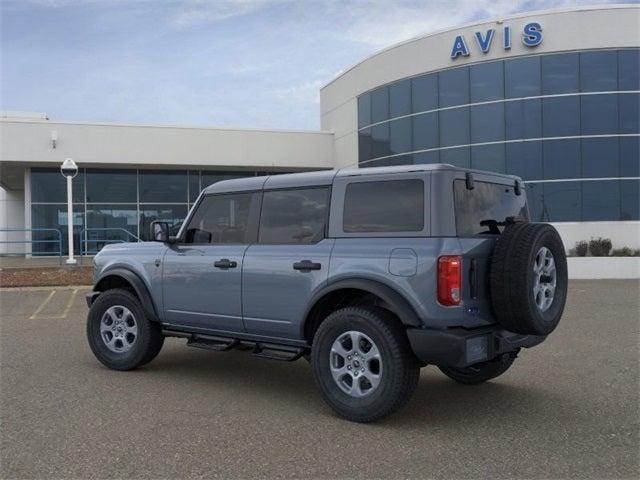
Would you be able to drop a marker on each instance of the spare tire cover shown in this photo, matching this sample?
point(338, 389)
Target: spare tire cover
point(528, 278)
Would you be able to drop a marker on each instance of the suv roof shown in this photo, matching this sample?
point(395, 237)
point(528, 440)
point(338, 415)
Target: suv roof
point(325, 177)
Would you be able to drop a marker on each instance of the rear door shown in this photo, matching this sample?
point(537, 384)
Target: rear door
point(289, 262)
point(202, 274)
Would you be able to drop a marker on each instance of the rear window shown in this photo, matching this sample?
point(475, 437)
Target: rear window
point(487, 203)
point(384, 206)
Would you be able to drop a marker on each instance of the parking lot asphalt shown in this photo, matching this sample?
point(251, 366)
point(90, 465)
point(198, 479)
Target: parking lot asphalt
point(566, 409)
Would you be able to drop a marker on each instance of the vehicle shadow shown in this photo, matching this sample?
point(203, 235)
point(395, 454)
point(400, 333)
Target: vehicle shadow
point(436, 401)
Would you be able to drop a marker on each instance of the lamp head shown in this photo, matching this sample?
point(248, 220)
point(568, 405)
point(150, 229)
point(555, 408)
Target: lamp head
point(69, 169)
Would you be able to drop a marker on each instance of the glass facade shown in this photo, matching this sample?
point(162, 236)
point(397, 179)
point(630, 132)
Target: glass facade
point(114, 204)
point(567, 123)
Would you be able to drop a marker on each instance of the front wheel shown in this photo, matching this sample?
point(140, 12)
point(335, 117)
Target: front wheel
point(363, 363)
point(480, 372)
point(120, 334)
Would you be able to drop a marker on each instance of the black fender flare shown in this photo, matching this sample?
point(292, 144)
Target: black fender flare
point(142, 292)
point(396, 302)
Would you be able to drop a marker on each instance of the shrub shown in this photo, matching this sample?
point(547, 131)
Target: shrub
point(600, 247)
point(625, 252)
point(581, 249)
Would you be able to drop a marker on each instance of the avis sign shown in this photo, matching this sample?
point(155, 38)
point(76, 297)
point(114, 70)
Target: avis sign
point(531, 37)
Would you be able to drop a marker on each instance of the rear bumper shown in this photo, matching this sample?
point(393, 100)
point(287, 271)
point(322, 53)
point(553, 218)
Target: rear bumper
point(459, 347)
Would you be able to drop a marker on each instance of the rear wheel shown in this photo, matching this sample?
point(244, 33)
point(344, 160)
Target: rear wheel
point(119, 332)
point(363, 363)
point(481, 372)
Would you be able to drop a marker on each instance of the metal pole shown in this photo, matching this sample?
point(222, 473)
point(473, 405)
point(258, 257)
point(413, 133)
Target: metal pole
point(70, 260)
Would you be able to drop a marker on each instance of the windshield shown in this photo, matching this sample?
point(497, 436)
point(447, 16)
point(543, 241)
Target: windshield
point(484, 209)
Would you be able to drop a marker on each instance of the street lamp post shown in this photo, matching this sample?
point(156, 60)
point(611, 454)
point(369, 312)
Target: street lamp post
point(69, 170)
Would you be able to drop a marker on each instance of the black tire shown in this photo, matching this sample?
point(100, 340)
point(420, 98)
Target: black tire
point(148, 341)
point(512, 279)
point(480, 372)
point(400, 373)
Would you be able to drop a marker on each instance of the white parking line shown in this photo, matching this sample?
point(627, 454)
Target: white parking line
point(42, 305)
point(65, 312)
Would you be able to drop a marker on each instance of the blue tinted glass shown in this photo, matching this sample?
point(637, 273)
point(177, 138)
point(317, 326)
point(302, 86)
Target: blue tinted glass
point(523, 119)
point(194, 185)
point(453, 87)
point(599, 71)
point(379, 104)
point(524, 159)
point(600, 157)
point(424, 92)
point(454, 127)
point(534, 201)
point(209, 177)
point(600, 201)
point(112, 186)
point(487, 123)
point(599, 114)
point(426, 157)
point(364, 144)
point(55, 217)
point(488, 157)
point(561, 116)
point(629, 69)
point(560, 73)
point(629, 200)
point(425, 131)
point(400, 98)
point(487, 81)
point(522, 77)
point(380, 140)
point(561, 159)
point(160, 186)
point(173, 214)
point(388, 162)
point(630, 156)
point(49, 186)
point(117, 218)
point(561, 202)
point(459, 157)
point(364, 110)
point(629, 113)
point(400, 135)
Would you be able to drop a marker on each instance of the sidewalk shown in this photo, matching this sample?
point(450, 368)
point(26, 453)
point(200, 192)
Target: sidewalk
point(20, 261)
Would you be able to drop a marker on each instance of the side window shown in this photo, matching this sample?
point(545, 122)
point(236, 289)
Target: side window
point(294, 216)
point(222, 219)
point(384, 206)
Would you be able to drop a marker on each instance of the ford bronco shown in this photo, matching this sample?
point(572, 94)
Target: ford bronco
point(369, 274)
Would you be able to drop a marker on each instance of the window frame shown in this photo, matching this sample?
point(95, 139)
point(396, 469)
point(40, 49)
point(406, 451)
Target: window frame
point(325, 229)
point(336, 219)
point(254, 215)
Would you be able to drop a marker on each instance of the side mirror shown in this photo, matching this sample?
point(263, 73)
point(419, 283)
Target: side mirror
point(160, 232)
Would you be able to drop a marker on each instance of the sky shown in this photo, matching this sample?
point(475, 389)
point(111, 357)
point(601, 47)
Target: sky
point(227, 63)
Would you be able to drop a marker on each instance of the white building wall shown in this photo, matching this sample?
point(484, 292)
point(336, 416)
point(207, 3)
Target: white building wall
point(621, 234)
point(29, 141)
point(11, 217)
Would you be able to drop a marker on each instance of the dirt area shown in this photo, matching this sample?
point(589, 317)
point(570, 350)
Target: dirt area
point(45, 276)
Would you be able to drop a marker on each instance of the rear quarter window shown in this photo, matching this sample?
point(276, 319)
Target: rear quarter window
point(486, 202)
point(384, 206)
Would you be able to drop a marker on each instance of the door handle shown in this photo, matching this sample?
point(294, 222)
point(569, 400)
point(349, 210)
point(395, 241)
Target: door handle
point(307, 265)
point(225, 263)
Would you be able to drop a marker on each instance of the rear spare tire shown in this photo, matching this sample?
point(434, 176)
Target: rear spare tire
point(528, 278)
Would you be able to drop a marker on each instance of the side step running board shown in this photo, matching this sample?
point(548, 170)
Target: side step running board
point(271, 351)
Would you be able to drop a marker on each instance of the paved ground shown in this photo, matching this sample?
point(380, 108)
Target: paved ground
point(567, 409)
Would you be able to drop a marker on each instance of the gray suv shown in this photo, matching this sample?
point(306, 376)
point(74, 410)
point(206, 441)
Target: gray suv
point(369, 274)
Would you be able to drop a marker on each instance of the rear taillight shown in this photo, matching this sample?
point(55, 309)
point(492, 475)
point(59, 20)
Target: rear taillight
point(449, 270)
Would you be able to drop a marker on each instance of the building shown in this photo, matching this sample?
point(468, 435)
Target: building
point(553, 97)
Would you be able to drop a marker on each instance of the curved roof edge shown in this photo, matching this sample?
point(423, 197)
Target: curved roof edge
point(481, 22)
